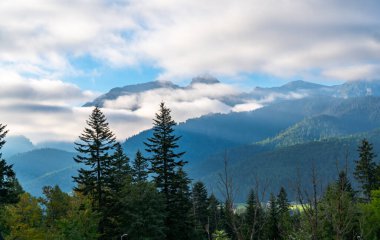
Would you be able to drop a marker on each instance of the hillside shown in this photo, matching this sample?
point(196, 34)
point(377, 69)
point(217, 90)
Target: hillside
point(350, 116)
point(282, 166)
point(206, 135)
point(41, 167)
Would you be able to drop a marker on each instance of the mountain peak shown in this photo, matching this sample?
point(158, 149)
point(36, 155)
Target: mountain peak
point(205, 79)
point(300, 84)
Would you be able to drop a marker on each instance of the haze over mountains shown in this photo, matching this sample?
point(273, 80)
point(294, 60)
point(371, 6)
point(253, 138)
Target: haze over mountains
point(290, 126)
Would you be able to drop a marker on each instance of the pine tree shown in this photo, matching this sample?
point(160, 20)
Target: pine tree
point(143, 210)
point(200, 208)
point(345, 185)
point(10, 189)
point(365, 169)
point(214, 214)
point(179, 218)
point(253, 217)
point(170, 179)
point(140, 168)
point(98, 174)
point(283, 213)
point(164, 160)
point(282, 201)
point(119, 169)
point(273, 231)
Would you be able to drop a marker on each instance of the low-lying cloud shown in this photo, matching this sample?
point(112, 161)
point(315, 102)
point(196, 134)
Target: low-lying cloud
point(193, 101)
point(49, 110)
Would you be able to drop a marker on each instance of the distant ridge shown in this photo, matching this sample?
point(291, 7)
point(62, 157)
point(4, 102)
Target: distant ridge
point(114, 93)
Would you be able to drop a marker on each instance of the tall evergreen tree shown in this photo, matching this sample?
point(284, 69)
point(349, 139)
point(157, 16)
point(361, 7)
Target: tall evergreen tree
point(282, 201)
point(119, 169)
point(344, 184)
point(214, 218)
point(10, 189)
point(96, 152)
point(164, 160)
point(143, 211)
point(365, 169)
point(172, 182)
point(200, 208)
point(283, 213)
point(273, 231)
point(253, 217)
point(140, 168)
point(179, 219)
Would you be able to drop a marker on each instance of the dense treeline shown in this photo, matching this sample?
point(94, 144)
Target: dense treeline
point(151, 197)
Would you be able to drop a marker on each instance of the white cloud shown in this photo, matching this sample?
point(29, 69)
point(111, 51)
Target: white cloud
point(222, 37)
point(283, 38)
point(15, 87)
point(39, 38)
point(248, 106)
point(194, 101)
point(356, 72)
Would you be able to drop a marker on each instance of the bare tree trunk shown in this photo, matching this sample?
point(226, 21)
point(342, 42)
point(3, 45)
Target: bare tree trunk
point(309, 203)
point(227, 189)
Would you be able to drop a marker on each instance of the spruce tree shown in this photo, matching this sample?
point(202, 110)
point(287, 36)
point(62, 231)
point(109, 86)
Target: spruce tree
point(214, 218)
point(143, 209)
point(253, 217)
point(140, 168)
point(170, 179)
point(200, 208)
point(119, 169)
point(164, 160)
point(283, 213)
point(10, 189)
point(345, 185)
point(117, 174)
point(179, 221)
point(282, 201)
point(273, 231)
point(96, 176)
point(365, 169)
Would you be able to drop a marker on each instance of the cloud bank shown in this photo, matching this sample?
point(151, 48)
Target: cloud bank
point(328, 39)
point(41, 39)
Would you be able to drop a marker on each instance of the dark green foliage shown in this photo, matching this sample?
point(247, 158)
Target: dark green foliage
point(143, 209)
point(9, 186)
point(119, 168)
point(97, 141)
point(273, 219)
point(100, 178)
point(345, 185)
point(200, 209)
point(254, 217)
point(365, 169)
point(164, 160)
point(169, 177)
point(338, 212)
point(140, 168)
point(214, 215)
point(56, 205)
point(284, 214)
point(179, 219)
point(282, 201)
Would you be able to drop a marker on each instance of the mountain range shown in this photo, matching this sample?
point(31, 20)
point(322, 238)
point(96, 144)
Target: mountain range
point(304, 124)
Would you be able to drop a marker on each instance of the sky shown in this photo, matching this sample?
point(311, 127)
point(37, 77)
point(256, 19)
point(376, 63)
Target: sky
point(56, 55)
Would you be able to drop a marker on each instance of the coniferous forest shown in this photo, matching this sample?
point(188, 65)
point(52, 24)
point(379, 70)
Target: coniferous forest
point(150, 196)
